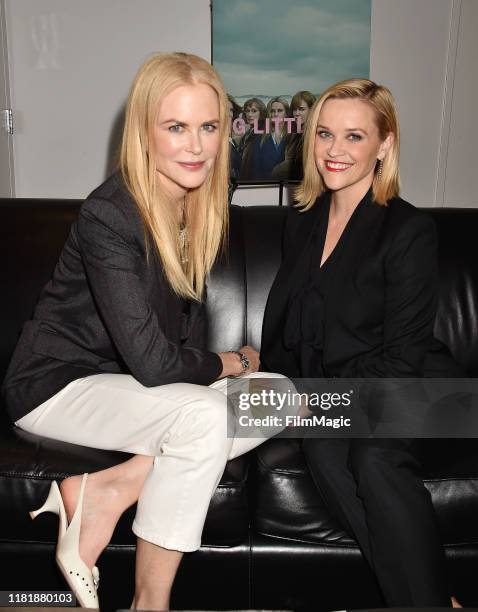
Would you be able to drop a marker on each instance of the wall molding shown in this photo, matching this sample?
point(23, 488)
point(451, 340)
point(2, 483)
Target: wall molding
point(449, 82)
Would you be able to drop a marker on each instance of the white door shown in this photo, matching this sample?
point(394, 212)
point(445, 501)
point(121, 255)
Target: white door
point(7, 187)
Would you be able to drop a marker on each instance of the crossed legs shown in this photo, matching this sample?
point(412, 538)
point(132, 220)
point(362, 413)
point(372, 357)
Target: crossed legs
point(108, 494)
point(178, 434)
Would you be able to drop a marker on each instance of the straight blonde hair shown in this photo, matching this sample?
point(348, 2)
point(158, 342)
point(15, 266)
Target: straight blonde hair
point(206, 207)
point(386, 185)
point(283, 128)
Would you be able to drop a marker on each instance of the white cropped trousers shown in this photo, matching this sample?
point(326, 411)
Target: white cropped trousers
point(183, 426)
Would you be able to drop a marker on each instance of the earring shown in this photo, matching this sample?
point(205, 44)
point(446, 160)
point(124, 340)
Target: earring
point(380, 169)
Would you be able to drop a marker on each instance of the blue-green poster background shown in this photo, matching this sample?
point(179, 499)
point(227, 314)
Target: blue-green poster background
point(265, 49)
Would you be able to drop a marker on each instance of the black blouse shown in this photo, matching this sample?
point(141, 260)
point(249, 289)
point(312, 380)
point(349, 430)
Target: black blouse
point(304, 327)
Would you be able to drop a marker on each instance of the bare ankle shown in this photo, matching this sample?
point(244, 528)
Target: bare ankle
point(150, 602)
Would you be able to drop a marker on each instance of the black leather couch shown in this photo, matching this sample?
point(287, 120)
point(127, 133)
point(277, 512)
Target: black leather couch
point(268, 541)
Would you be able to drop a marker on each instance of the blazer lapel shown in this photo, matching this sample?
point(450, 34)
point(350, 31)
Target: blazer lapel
point(292, 269)
point(287, 276)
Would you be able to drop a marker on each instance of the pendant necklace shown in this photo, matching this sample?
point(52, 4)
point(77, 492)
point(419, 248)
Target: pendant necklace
point(183, 236)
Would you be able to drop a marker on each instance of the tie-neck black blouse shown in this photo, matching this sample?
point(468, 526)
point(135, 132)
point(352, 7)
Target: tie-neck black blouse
point(304, 327)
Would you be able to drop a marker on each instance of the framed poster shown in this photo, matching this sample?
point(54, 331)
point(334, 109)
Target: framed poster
point(276, 57)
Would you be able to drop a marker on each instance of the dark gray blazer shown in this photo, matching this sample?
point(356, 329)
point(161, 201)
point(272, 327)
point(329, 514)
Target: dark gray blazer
point(108, 309)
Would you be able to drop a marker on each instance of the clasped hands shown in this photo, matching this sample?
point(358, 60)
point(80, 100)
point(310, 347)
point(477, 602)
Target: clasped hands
point(231, 362)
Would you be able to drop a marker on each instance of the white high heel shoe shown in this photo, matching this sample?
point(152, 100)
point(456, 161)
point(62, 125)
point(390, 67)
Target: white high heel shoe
point(82, 581)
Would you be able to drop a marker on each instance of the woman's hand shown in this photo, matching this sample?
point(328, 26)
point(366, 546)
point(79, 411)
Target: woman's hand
point(253, 356)
point(231, 363)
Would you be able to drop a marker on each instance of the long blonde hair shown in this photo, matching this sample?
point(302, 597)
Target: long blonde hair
point(282, 128)
point(386, 184)
point(206, 207)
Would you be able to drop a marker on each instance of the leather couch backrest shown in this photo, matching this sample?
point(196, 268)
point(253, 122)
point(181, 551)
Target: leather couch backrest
point(32, 233)
point(457, 317)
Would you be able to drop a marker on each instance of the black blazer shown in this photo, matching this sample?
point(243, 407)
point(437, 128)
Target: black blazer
point(380, 309)
point(107, 309)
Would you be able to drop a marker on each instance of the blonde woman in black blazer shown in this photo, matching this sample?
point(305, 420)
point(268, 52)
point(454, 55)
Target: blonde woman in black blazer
point(115, 354)
point(356, 296)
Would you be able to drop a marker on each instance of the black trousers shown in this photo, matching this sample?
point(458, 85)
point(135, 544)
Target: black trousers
point(374, 489)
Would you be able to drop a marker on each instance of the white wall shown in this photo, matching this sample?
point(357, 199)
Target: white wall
point(461, 169)
point(71, 65)
point(426, 51)
point(410, 45)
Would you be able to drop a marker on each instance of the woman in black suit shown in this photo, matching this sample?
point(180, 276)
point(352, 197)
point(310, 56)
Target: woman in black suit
point(356, 297)
point(115, 354)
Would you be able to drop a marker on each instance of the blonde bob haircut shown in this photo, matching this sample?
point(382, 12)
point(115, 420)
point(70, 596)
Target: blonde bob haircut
point(206, 207)
point(385, 185)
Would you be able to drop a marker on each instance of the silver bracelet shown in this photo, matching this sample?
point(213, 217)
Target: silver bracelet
point(245, 363)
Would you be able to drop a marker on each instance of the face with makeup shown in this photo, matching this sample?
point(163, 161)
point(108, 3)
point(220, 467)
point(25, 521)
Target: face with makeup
point(186, 137)
point(278, 110)
point(252, 113)
point(301, 111)
point(348, 145)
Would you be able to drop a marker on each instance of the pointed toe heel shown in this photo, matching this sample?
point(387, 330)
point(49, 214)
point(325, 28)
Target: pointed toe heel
point(82, 581)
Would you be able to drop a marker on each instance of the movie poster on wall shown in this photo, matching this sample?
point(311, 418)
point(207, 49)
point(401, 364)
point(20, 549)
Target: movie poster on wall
point(275, 58)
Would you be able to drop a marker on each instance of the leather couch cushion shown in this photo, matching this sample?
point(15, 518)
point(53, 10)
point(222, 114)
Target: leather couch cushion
point(288, 504)
point(29, 463)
